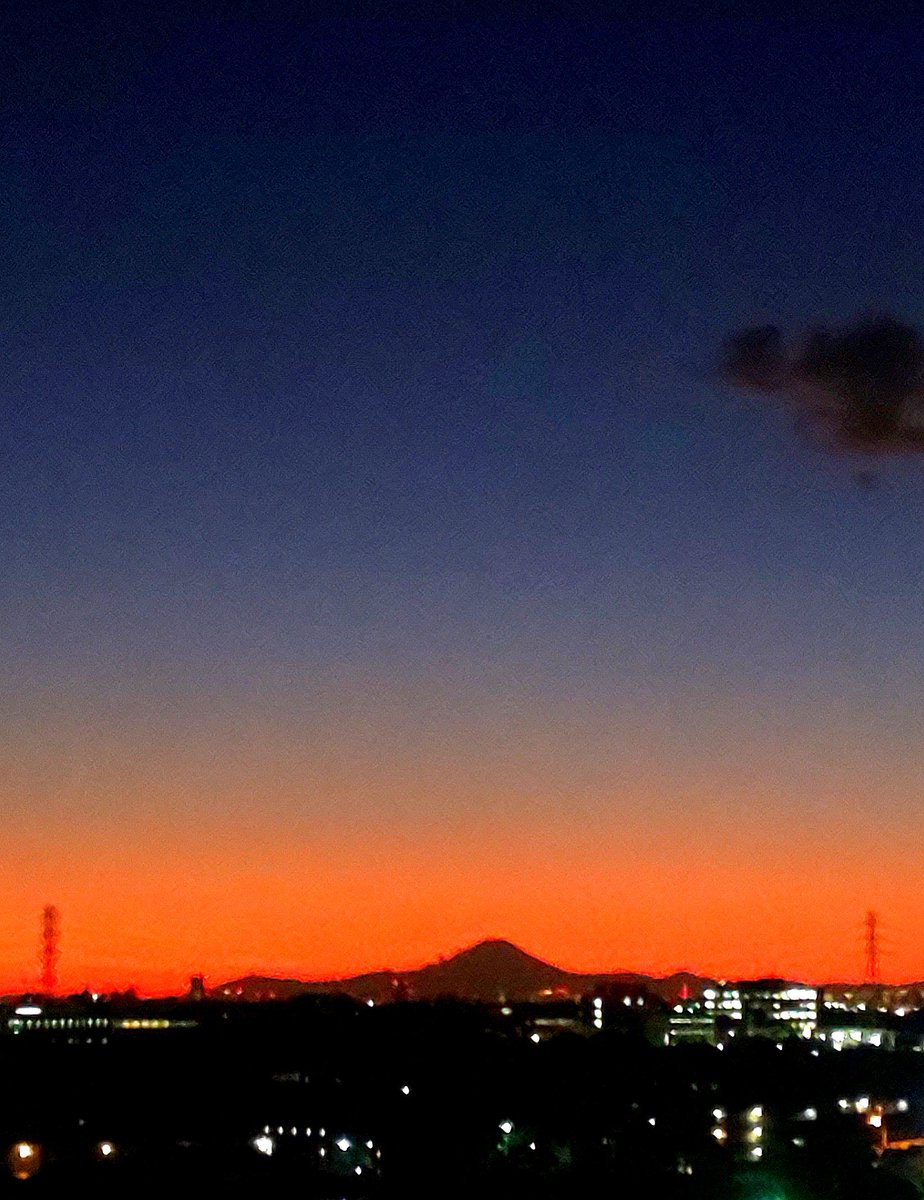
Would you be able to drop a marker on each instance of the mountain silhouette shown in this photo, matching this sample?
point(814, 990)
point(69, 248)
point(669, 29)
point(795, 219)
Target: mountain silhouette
point(491, 971)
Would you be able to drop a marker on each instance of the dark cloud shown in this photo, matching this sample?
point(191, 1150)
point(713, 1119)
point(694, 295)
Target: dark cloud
point(860, 386)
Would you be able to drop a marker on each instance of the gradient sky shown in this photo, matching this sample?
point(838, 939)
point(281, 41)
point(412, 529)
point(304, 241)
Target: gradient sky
point(382, 568)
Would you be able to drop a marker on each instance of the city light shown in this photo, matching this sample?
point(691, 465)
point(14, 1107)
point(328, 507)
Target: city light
point(106, 1149)
point(263, 1144)
point(24, 1160)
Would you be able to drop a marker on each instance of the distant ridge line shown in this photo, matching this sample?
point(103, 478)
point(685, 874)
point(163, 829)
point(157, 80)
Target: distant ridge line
point(489, 971)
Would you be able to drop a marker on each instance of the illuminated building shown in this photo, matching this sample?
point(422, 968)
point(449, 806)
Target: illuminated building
point(749, 1008)
point(691, 1021)
point(78, 1021)
point(774, 1008)
point(845, 1031)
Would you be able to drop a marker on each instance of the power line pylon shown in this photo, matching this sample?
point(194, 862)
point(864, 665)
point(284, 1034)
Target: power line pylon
point(871, 969)
point(51, 930)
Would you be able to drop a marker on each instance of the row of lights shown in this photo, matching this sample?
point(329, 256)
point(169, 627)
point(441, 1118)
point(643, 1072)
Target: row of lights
point(265, 1143)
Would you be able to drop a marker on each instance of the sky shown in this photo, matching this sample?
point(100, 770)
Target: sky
point(384, 566)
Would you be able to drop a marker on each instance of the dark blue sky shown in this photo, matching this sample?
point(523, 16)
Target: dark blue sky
point(351, 356)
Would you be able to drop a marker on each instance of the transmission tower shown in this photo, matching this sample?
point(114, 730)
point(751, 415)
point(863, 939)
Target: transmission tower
point(51, 929)
point(871, 970)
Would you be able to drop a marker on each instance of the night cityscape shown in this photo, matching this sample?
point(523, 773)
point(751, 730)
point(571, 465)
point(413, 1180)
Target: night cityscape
point(461, 606)
point(490, 1069)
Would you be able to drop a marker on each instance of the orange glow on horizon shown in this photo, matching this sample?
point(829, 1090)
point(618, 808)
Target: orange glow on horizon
point(596, 842)
point(304, 911)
